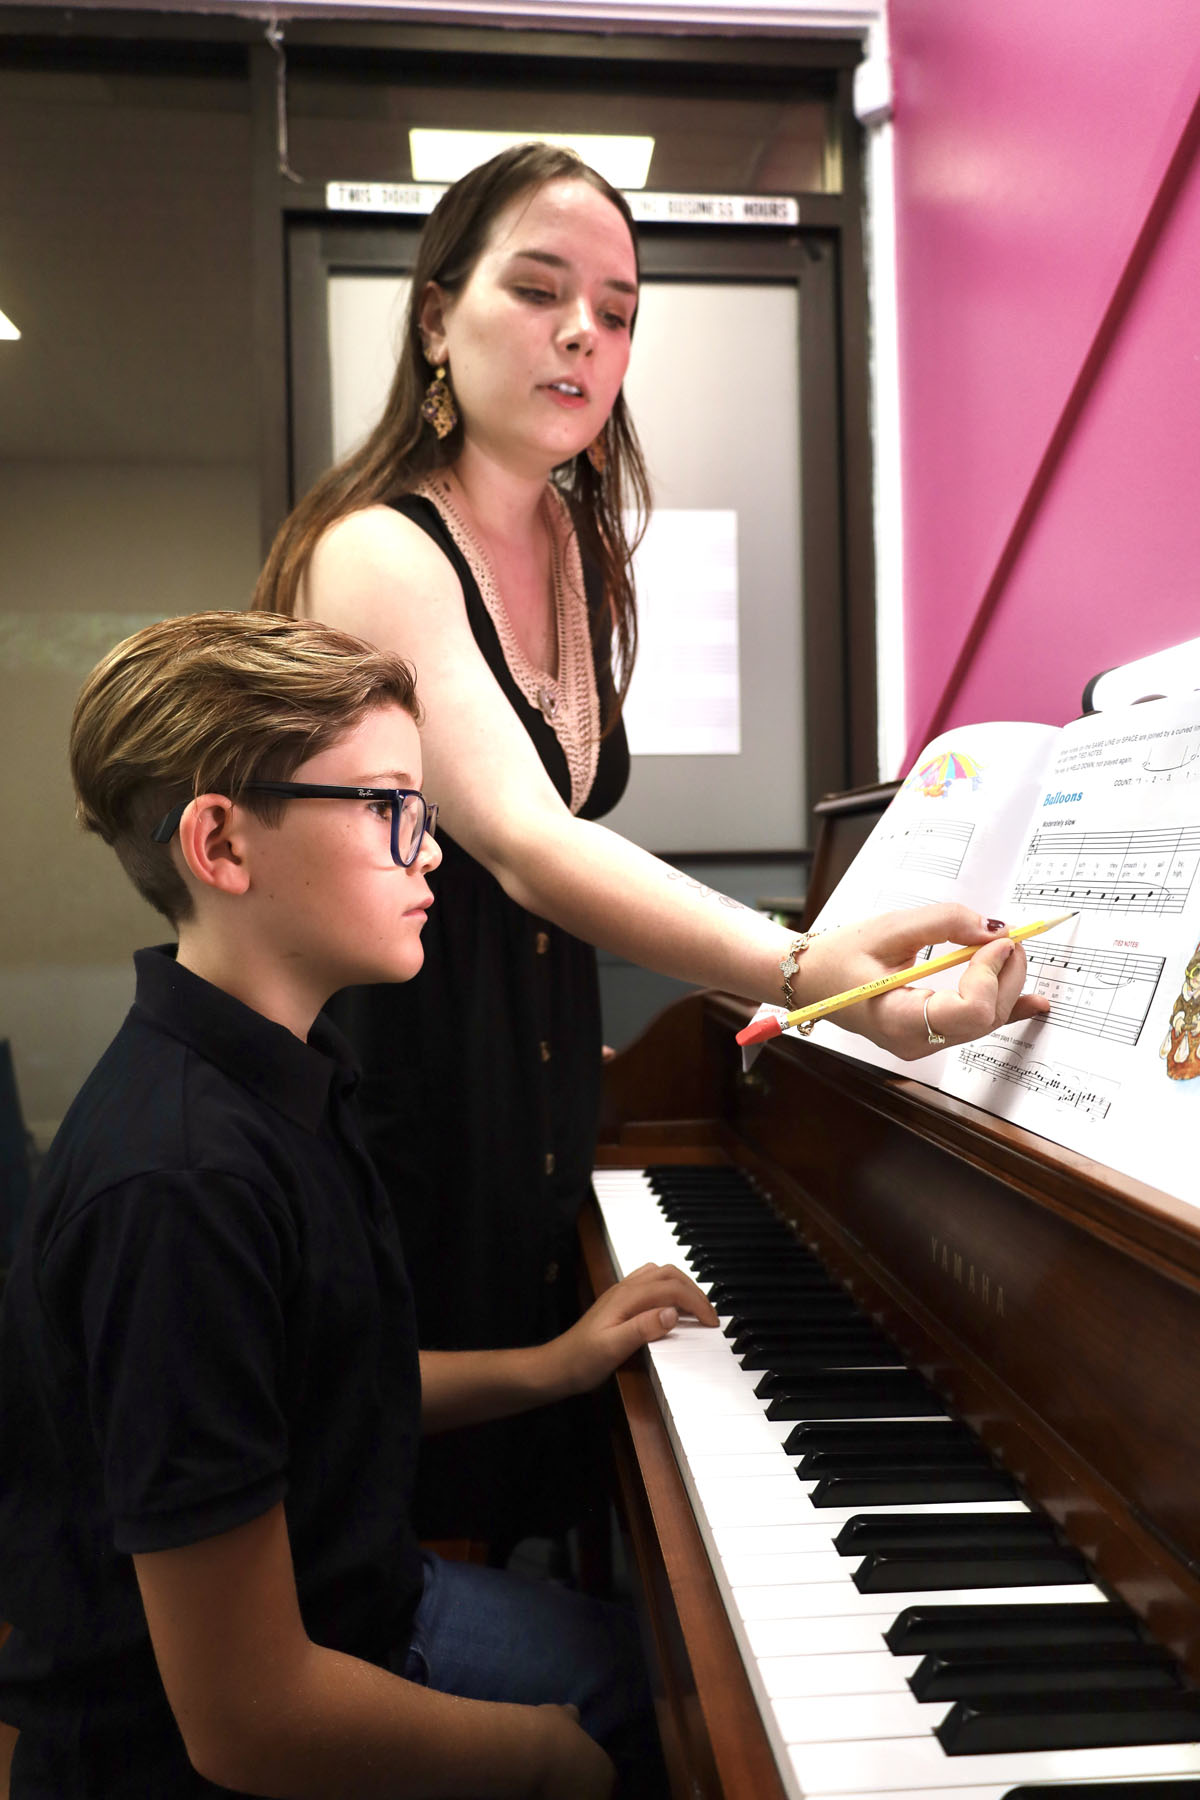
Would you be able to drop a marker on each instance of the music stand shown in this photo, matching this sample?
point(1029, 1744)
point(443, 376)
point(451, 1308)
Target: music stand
point(1158, 677)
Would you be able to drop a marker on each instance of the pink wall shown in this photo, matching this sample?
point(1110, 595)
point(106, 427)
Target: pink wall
point(1048, 231)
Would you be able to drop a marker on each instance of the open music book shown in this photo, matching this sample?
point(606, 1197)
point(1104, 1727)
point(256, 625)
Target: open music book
point(1021, 821)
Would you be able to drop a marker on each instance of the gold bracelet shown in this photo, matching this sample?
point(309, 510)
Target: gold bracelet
point(787, 968)
point(789, 965)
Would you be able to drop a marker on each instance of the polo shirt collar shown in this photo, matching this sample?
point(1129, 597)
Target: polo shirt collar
point(266, 1059)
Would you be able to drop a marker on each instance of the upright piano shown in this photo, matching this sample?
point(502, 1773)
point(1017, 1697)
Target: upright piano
point(952, 1548)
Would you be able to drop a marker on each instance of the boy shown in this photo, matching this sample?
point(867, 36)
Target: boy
point(210, 1391)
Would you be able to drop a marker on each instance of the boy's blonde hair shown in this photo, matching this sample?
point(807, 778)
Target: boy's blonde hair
point(205, 704)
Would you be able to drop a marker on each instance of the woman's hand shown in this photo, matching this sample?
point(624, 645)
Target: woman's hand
point(989, 987)
point(636, 1311)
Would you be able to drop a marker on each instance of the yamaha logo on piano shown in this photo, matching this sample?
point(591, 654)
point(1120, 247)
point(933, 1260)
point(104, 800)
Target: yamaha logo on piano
point(978, 1282)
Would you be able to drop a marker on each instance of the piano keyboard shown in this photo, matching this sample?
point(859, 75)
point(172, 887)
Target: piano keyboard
point(865, 1547)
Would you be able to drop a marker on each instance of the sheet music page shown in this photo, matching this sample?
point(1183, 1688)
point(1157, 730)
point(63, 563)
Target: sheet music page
point(953, 832)
point(1114, 1071)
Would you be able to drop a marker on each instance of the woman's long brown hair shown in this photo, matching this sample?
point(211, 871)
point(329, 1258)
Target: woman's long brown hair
point(402, 449)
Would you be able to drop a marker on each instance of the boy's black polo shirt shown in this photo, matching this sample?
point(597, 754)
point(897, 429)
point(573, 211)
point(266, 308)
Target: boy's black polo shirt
point(208, 1313)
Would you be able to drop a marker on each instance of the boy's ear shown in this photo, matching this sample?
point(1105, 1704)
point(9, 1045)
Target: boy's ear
point(212, 845)
point(432, 320)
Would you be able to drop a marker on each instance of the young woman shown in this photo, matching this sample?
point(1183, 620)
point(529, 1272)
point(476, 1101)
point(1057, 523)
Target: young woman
point(481, 529)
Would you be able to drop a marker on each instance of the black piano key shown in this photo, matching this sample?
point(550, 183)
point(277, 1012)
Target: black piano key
point(735, 1294)
point(921, 1630)
point(934, 1435)
point(814, 1312)
point(809, 1333)
point(676, 1177)
point(931, 1569)
point(726, 1220)
point(1097, 1721)
point(675, 1198)
point(959, 1458)
point(767, 1235)
point(739, 1234)
point(780, 1284)
point(685, 1214)
point(717, 1201)
point(704, 1175)
point(970, 1531)
point(811, 1343)
point(754, 1270)
point(891, 1393)
point(804, 1319)
point(751, 1256)
point(818, 1355)
point(924, 1489)
point(802, 1370)
point(719, 1264)
point(966, 1674)
point(696, 1203)
point(794, 1319)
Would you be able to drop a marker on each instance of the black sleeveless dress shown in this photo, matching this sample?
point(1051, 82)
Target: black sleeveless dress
point(479, 1104)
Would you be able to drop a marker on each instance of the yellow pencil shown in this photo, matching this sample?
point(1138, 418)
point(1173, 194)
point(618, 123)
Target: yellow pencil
point(761, 1029)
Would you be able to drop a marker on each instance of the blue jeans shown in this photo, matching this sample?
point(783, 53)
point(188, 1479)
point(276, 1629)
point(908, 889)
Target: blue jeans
point(486, 1634)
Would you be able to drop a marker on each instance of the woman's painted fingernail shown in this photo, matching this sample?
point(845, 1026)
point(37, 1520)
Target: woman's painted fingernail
point(995, 924)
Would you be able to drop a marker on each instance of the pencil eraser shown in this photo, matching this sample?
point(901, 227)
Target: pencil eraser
point(759, 1029)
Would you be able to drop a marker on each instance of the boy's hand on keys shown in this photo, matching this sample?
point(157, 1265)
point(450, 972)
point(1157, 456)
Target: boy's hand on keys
point(636, 1311)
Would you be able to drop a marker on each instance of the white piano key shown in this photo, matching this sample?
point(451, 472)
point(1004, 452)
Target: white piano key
point(712, 1389)
point(769, 1541)
point(837, 1515)
point(766, 1500)
point(739, 1434)
point(817, 1637)
point(855, 1718)
point(862, 1627)
point(892, 1765)
point(739, 1540)
point(852, 1672)
point(841, 1599)
point(712, 1466)
point(765, 1600)
point(781, 1570)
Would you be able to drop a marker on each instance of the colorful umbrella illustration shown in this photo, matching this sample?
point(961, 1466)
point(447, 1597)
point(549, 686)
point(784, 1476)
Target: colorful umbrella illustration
point(933, 778)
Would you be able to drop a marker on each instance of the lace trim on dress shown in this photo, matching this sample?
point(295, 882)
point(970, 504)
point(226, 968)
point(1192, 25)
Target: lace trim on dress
point(569, 703)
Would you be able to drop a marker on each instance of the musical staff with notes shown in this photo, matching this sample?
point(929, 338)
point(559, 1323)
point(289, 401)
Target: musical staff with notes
point(1071, 1090)
point(1150, 871)
point(1101, 993)
point(936, 847)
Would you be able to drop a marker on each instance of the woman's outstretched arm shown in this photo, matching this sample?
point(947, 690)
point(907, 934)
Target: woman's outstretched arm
point(379, 575)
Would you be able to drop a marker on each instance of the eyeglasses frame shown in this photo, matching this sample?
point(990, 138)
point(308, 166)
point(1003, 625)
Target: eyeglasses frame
point(166, 828)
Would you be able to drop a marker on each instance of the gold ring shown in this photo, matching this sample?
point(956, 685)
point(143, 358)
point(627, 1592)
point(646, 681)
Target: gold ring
point(935, 1037)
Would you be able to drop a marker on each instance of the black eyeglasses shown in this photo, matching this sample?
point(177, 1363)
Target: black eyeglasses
point(412, 815)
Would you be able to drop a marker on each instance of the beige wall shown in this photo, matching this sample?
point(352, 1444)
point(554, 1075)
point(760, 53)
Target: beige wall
point(127, 488)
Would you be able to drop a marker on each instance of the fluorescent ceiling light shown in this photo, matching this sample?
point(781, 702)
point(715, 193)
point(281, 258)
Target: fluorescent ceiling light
point(445, 155)
point(7, 328)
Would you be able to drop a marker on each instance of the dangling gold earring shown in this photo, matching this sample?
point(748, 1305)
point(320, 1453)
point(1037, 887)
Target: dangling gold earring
point(597, 450)
point(438, 408)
